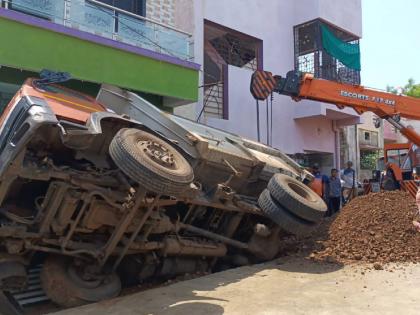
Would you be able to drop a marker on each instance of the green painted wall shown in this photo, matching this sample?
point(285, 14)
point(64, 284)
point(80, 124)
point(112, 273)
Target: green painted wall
point(31, 48)
point(15, 77)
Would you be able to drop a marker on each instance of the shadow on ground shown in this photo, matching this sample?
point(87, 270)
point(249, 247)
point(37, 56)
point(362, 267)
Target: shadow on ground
point(305, 265)
point(296, 253)
point(185, 298)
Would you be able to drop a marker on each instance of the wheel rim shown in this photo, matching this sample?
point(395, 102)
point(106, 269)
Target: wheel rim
point(158, 153)
point(87, 281)
point(301, 191)
point(71, 284)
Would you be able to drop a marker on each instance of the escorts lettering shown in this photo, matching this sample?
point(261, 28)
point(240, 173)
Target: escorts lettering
point(365, 97)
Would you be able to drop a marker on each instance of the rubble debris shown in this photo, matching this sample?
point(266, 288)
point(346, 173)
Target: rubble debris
point(376, 228)
point(378, 266)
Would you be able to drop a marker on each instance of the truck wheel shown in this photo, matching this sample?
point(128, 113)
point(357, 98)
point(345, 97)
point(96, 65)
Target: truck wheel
point(151, 162)
point(297, 197)
point(282, 217)
point(65, 287)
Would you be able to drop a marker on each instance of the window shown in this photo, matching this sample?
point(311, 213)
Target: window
point(368, 138)
point(397, 156)
point(407, 165)
point(134, 6)
point(225, 47)
point(311, 57)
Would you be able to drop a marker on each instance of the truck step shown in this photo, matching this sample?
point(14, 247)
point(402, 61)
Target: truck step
point(33, 293)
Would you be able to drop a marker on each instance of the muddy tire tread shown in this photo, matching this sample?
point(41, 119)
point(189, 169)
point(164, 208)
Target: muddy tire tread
point(308, 210)
point(282, 217)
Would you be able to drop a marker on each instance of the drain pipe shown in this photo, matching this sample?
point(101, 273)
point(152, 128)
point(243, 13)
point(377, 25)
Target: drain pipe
point(356, 162)
point(336, 131)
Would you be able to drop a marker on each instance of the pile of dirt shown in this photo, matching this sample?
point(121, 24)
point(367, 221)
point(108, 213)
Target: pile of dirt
point(376, 228)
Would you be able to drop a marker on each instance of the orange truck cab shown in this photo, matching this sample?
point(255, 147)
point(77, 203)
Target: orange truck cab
point(36, 108)
point(66, 104)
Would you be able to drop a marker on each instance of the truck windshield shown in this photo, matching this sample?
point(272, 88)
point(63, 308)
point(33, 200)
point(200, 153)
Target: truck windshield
point(380, 164)
point(397, 156)
point(407, 165)
point(413, 158)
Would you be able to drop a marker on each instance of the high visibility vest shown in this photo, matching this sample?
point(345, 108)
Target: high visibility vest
point(316, 186)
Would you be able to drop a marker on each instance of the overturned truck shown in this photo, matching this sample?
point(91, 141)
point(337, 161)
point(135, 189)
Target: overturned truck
point(111, 191)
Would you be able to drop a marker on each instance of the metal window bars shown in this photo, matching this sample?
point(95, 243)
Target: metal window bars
point(312, 58)
point(213, 99)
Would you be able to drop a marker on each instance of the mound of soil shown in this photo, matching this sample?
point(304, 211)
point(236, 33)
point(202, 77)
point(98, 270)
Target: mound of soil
point(376, 228)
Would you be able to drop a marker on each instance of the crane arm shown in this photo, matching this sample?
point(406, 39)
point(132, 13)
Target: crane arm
point(300, 85)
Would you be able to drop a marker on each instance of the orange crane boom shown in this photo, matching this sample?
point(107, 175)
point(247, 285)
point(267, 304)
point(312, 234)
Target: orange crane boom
point(298, 85)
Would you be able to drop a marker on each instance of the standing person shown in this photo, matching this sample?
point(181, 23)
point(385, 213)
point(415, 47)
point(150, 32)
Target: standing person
point(318, 184)
point(348, 175)
point(334, 192)
point(416, 222)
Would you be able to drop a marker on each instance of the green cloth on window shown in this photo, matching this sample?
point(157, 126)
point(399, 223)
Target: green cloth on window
point(348, 54)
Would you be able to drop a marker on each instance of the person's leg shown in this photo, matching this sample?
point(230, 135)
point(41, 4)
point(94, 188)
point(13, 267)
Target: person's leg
point(352, 194)
point(336, 204)
point(329, 207)
point(346, 192)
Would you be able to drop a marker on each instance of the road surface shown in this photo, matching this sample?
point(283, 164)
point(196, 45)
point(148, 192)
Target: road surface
point(285, 286)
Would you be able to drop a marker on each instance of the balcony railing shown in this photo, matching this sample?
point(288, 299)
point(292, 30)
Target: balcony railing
point(110, 22)
point(311, 57)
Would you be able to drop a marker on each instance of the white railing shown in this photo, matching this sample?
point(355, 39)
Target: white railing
point(110, 22)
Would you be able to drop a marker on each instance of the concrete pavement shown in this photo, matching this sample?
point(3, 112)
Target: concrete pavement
point(285, 286)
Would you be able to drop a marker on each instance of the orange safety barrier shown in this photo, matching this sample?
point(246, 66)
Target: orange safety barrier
point(409, 186)
point(367, 188)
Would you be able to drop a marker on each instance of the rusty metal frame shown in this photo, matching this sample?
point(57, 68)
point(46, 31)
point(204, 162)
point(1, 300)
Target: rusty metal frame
point(133, 236)
point(121, 228)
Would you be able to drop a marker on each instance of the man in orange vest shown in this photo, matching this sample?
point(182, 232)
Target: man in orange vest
point(317, 184)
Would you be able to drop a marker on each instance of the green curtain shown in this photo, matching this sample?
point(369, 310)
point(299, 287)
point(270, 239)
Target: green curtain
point(348, 54)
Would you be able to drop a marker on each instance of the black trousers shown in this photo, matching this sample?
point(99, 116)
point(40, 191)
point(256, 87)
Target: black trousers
point(333, 205)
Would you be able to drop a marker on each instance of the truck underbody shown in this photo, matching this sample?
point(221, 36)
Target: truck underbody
point(122, 199)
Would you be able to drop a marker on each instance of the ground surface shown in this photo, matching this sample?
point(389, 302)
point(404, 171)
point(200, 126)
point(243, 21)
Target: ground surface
point(285, 286)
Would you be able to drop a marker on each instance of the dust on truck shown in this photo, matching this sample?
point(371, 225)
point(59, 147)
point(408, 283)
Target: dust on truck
point(112, 191)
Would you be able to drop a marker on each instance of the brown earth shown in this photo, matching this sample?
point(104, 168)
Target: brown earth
point(376, 228)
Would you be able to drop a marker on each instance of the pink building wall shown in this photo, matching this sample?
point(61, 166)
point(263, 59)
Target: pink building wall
point(389, 133)
point(289, 134)
point(298, 127)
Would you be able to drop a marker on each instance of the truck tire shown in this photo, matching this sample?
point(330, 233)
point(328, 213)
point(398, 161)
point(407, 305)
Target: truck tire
point(151, 162)
point(282, 217)
point(66, 289)
point(298, 198)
